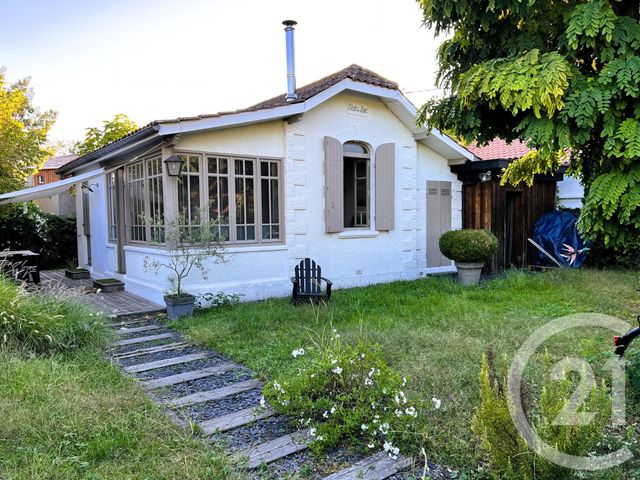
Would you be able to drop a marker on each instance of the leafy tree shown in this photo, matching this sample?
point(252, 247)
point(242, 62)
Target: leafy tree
point(564, 77)
point(112, 130)
point(23, 133)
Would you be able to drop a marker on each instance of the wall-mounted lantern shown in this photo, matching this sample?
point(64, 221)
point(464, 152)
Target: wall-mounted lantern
point(174, 166)
point(485, 176)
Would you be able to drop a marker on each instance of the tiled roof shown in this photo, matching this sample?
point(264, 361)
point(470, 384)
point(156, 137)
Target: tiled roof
point(498, 149)
point(56, 162)
point(353, 72)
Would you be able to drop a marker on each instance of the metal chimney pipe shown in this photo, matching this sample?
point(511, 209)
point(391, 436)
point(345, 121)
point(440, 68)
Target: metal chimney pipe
point(291, 65)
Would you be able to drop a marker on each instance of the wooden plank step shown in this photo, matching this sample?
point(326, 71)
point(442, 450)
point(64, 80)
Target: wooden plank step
point(126, 331)
point(125, 323)
point(276, 448)
point(147, 351)
point(188, 376)
point(148, 338)
point(375, 467)
point(235, 419)
point(215, 394)
point(167, 362)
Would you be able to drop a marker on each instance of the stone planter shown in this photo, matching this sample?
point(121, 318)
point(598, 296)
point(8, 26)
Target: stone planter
point(469, 272)
point(179, 306)
point(77, 273)
point(107, 285)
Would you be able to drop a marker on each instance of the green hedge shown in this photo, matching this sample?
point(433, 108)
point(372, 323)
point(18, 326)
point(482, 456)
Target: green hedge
point(468, 245)
point(26, 227)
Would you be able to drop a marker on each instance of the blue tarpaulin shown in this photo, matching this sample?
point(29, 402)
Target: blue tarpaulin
point(557, 234)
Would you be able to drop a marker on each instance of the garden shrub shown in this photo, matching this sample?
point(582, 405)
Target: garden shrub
point(45, 324)
point(345, 391)
point(468, 245)
point(508, 453)
point(26, 227)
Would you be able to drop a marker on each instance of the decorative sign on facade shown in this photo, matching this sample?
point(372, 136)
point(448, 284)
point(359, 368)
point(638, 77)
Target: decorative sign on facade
point(356, 109)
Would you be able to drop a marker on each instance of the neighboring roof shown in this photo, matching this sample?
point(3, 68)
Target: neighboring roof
point(56, 162)
point(276, 105)
point(498, 149)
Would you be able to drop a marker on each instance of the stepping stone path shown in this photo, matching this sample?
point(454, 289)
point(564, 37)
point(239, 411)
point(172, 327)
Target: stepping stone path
point(222, 398)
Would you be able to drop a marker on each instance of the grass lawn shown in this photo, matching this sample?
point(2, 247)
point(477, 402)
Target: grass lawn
point(68, 417)
point(431, 329)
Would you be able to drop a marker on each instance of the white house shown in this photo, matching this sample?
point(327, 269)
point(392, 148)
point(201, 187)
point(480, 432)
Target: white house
point(340, 173)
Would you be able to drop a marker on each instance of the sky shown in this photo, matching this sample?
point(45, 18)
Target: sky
point(89, 60)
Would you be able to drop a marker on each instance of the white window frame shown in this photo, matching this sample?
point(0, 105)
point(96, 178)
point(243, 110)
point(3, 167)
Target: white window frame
point(146, 202)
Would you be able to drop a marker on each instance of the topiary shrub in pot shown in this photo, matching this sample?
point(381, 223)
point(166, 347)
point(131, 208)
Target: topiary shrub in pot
point(470, 249)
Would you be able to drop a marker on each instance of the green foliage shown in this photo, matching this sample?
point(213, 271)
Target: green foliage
point(111, 130)
point(468, 245)
point(188, 248)
point(345, 391)
point(564, 77)
point(23, 133)
point(509, 455)
point(25, 227)
point(217, 300)
point(45, 324)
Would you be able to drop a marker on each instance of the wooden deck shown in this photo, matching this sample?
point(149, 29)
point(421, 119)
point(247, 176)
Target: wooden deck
point(113, 303)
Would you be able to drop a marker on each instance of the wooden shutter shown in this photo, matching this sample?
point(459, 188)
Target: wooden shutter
point(333, 185)
point(438, 220)
point(385, 186)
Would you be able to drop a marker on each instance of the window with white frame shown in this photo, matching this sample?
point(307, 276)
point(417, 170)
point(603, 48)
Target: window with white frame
point(135, 190)
point(189, 197)
point(144, 201)
point(111, 202)
point(240, 194)
point(218, 190)
point(155, 212)
point(270, 199)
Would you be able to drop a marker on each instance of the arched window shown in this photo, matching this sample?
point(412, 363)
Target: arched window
point(356, 185)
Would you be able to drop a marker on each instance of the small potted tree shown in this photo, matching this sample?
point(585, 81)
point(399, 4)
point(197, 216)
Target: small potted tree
point(188, 248)
point(470, 249)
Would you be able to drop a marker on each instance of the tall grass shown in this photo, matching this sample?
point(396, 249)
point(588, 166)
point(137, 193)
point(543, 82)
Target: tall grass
point(43, 323)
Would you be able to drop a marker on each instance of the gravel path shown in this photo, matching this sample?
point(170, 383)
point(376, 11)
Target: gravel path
point(302, 464)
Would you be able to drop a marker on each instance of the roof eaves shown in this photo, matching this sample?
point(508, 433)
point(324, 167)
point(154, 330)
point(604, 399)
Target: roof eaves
point(134, 136)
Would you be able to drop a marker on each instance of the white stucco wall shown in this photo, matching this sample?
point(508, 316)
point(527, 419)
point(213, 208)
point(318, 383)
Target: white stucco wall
point(352, 258)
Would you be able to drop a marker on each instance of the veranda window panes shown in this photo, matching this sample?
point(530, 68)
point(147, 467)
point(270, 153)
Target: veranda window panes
point(239, 196)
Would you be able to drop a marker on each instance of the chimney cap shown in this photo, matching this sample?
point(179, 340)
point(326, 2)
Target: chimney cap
point(289, 23)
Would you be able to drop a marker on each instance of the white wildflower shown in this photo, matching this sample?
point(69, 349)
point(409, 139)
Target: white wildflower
point(398, 413)
point(368, 382)
point(298, 352)
point(263, 402)
point(436, 403)
point(370, 445)
point(384, 428)
point(333, 410)
point(312, 432)
point(337, 370)
point(364, 427)
point(411, 411)
point(320, 438)
point(404, 381)
point(325, 414)
point(334, 361)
